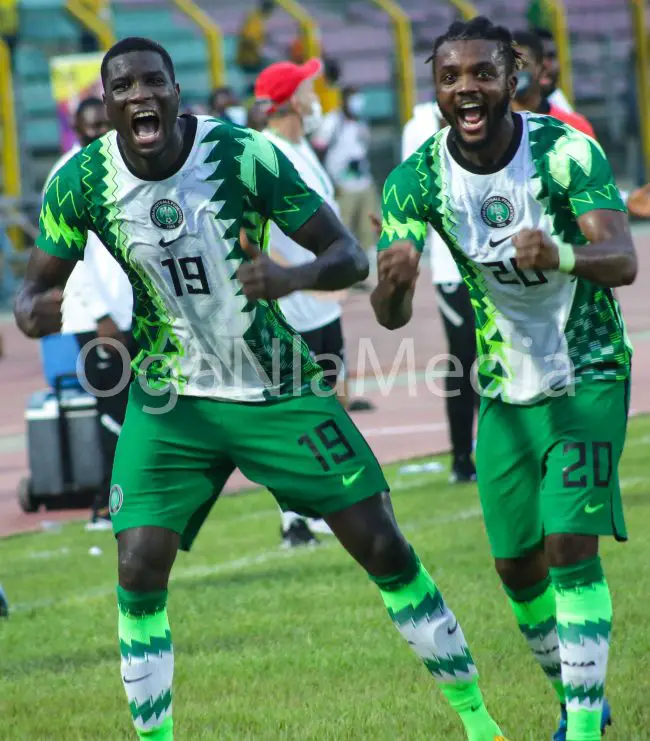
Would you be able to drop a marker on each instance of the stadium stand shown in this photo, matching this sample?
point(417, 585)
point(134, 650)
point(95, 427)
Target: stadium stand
point(356, 33)
point(47, 29)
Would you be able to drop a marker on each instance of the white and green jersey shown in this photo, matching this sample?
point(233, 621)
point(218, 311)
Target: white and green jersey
point(177, 239)
point(536, 331)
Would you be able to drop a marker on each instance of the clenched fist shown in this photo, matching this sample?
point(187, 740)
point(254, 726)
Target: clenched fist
point(262, 278)
point(535, 250)
point(399, 264)
point(45, 316)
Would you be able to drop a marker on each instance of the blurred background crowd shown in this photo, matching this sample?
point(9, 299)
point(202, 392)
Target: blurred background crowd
point(374, 54)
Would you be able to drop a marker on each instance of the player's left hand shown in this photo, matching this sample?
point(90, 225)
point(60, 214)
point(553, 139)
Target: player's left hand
point(535, 250)
point(262, 278)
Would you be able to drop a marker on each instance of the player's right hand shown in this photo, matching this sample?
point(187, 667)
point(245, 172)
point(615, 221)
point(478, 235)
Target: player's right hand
point(399, 264)
point(45, 317)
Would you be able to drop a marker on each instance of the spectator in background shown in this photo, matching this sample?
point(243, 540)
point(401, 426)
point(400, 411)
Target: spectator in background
point(328, 88)
point(297, 50)
point(257, 118)
point(225, 105)
point(98, 303)
point(327, 85)
point(253, 36)
point(343, 143)
point(635, 142)
point(455, 308)
point(551, 71)
point(293, 110)
point(529, 96)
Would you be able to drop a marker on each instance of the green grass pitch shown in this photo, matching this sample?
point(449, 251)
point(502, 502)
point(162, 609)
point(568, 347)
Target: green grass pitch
point(273, 645)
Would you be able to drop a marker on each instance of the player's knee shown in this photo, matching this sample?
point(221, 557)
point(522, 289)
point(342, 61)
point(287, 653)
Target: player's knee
point(386, 552)
point(143, 566)
point(507, 570)
point(524, 572)
point(566, 550)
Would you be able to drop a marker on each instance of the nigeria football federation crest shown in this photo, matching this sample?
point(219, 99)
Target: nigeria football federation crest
point(166, 214)
point(497, 212)
point(115, 499)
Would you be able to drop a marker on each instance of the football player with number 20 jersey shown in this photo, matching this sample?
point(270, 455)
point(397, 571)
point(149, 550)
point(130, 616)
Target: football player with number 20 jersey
point(529, 208)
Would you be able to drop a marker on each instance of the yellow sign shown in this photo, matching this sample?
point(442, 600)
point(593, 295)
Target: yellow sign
point(74, 78)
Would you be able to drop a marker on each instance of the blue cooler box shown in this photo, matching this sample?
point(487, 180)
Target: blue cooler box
point(63, 443)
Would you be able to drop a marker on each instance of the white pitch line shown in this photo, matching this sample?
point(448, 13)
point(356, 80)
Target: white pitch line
point(403, 430)
point(238, 564)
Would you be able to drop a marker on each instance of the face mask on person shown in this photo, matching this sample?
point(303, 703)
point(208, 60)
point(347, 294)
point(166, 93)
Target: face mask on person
point(313, 120)
point(237, 114)
point(356, 104)
point(524, 82)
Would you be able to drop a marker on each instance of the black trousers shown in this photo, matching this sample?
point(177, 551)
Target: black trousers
point(328, 341)
point(458, 318)
point(104, 372)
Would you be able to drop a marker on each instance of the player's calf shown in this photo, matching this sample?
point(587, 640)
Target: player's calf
point(532, 599)
point(145, 558)
point(584, 619)
point(415, 605)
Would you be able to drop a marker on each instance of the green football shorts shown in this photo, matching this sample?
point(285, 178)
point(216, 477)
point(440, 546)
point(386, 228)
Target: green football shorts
point(170, 468)
point(552, 467)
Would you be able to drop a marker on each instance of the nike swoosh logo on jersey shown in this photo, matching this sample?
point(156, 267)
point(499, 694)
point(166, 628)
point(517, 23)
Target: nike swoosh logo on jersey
point(162, 242)
point(139, 679)
point(451, 631)
point(496, 243)
point(590, 509)
point(349, 480)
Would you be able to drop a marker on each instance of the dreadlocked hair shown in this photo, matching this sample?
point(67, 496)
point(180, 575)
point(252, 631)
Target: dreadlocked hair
point(481, 28)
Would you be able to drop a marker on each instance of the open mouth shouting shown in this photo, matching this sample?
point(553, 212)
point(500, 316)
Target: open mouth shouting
point(146, 128)
point(472, 118)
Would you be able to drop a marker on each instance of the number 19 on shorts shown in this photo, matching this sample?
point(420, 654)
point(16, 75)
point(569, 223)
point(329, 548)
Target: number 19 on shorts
point(328, 445)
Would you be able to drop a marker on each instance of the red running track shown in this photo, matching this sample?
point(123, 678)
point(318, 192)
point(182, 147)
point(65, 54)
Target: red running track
point(407, 422)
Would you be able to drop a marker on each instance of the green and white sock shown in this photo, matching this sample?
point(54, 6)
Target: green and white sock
point(534, 610)
point(418, 611)
point(147, 661)
point(584, 622)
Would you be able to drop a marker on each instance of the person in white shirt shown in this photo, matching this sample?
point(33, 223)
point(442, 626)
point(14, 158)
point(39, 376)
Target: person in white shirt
point(456, 312)
point(343, 143)
point(286, 93)
point(98, 303)
point(551, 76)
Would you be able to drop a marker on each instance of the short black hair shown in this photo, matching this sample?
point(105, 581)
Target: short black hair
point(531, 41)
point(543, 33)
point(90, 102)
point(137, 43)
point(480, 28)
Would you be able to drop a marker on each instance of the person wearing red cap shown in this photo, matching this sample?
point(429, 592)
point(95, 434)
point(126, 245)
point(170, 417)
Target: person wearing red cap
point(286, 90)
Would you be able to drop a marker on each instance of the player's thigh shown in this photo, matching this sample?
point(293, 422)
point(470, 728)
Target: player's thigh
point(509, 474)
point(168, 469)
point(307, 452)
point(581, 489)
